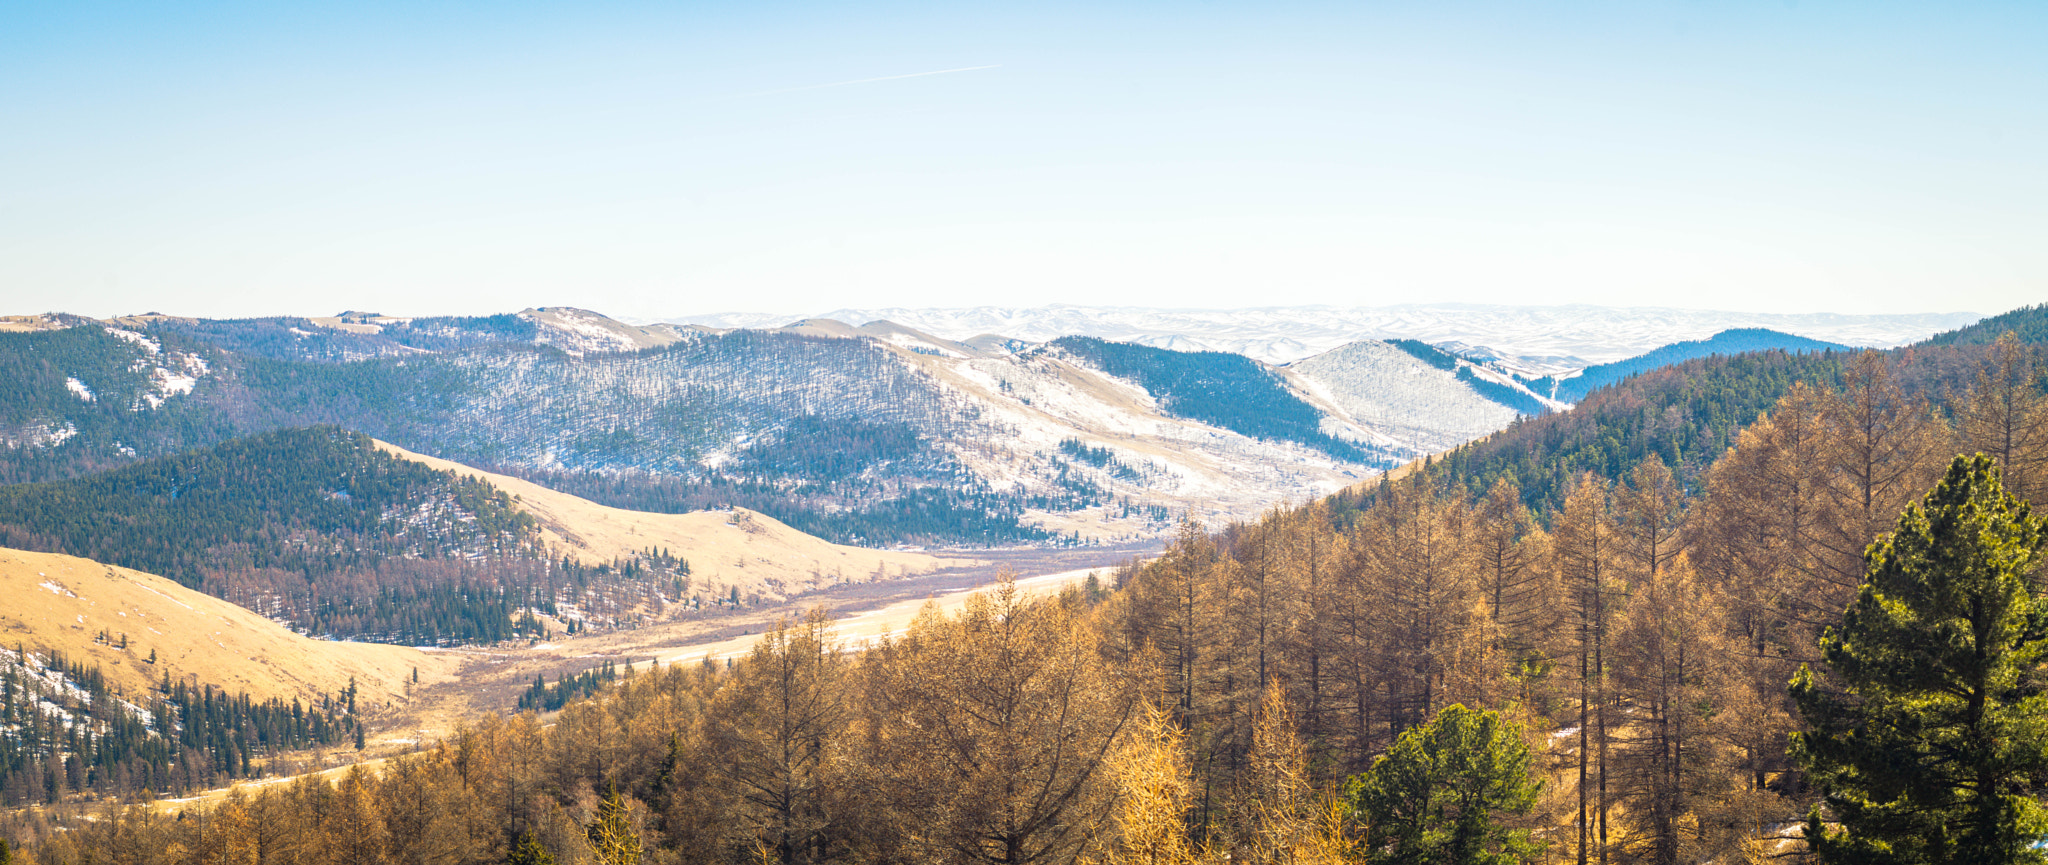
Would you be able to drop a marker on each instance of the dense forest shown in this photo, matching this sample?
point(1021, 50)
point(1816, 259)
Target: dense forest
point(1228, 390)
point(1609, 672)
point(1727, 342)
point(319, 527)
point(1688, 414)
point(64, 731)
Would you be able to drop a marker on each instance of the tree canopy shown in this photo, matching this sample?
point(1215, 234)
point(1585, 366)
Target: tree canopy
point(1934, 748)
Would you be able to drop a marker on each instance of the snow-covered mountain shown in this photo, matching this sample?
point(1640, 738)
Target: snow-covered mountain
point(1424, 408)
point(873, 430)
point(1536, 340)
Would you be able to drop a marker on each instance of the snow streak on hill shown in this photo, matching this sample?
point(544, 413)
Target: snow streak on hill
point(1547, 339)
point(1425, 408)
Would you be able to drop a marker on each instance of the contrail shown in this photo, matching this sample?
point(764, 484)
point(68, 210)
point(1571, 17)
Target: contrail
point(866, 80)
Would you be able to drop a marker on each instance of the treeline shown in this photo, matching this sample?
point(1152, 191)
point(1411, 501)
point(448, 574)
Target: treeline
point(458, 614)
point(296, 339)
point(1688, 414)
point(1227, 390)
point(320, 528)
point(1727, 342)
point(963, 512)
point(312, 500)
point(541, 697)
point(316, 526)
point(1508, 396)
point(64, 731)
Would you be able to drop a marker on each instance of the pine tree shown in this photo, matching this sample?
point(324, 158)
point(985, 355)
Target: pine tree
point(1935, 748)
point(1435, 795)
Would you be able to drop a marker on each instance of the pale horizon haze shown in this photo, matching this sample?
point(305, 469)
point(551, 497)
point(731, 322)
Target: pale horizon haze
point(662, 160)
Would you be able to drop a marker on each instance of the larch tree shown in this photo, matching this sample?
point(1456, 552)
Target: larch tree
point(1515, 583)
point(771, 727)
point(1588, 566)
point(2005, 415)
point(1670, 674)
point(992, 731)
point(1153, 795)
point(1930, 739)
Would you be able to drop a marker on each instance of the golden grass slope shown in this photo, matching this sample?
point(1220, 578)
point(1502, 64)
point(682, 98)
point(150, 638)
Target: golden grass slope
point(737, 549)
point(63, 602)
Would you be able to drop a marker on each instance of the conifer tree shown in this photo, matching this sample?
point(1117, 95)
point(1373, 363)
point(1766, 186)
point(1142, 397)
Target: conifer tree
point(612, 835)
point(1435, 795)
point(1154, 795)
point(1935, 747)
point(529, 852)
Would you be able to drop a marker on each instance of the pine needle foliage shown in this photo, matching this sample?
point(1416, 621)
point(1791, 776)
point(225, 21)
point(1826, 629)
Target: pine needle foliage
point(1931, 745)
point(1434, 797)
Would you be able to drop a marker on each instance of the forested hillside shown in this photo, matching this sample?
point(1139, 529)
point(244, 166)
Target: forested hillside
point(316, 526)
point(1689, 413)
point(314, 500)
point(1257, 693)
point(2029, 323)
point(1229, 390)
point(844, 437)
point(1727, 342)
point(64, 731)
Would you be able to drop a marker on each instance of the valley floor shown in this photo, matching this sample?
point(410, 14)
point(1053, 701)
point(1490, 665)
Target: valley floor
point(491, 679)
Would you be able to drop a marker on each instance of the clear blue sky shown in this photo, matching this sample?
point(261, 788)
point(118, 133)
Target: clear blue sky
point(662, 159)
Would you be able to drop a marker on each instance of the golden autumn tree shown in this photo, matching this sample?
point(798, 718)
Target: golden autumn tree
point(991, 731)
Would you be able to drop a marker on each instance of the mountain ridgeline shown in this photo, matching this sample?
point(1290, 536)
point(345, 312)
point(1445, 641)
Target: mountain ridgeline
point(1727, 342)
point(872, 437)
point(1689, 413)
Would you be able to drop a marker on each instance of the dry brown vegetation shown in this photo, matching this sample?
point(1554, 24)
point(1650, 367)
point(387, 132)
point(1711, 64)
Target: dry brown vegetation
point(1643, 633)
point(67, 603)
point(726, 549)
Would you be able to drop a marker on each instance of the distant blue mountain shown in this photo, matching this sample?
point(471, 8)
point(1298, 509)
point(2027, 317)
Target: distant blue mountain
point(1726, 342)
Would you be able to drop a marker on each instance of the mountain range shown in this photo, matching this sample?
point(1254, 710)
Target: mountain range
point(1544, 340)
point(871, 434)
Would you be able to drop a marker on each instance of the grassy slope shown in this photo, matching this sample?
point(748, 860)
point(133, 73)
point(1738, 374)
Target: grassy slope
point(778, 560)
point(193, 634)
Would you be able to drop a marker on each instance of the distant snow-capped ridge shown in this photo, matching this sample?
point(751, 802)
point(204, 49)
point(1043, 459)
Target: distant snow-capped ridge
point(1539, 340)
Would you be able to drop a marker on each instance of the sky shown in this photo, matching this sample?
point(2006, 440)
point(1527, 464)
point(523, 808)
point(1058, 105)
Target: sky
point(664, 159)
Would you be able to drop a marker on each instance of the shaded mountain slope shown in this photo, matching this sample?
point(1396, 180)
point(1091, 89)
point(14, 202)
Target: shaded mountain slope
point(1592, 378)
point(1228, 390)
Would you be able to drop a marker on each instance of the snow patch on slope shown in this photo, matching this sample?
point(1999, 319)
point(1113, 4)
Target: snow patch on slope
point(1423, 407)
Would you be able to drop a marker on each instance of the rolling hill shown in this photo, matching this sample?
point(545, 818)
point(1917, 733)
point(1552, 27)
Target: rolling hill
point(64, 603)
point(733, 549)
